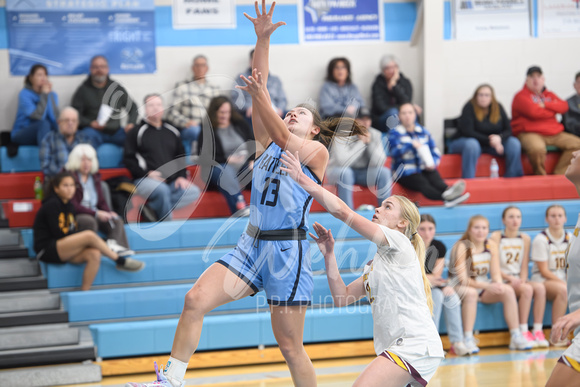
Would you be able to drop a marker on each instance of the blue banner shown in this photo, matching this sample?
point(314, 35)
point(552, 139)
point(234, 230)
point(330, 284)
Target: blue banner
point(341, 20)
point(64, 35)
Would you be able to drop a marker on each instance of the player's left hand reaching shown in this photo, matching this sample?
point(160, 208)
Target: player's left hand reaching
point(263, 21)
point(291, 164)
point(254, 83)
point(324, 240)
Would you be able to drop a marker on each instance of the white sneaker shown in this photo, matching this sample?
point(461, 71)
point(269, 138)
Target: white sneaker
point(456, 201)
point(162, 381)
point(459, 349)
point(122, 251)
point(519, 342)
point(454, 191)
point(540, 339)
point(471, 345)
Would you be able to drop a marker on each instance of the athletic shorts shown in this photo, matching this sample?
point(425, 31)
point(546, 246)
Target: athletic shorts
point(571, 356)
point(537, 277)
point(280, 267)
point(49, 254)
point(422, 369)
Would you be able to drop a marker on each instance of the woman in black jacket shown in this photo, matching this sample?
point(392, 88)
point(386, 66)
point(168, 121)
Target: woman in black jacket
point(485, 127)
point(234, 153)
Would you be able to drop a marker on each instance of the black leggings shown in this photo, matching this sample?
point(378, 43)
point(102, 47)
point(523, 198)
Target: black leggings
point(429, 183)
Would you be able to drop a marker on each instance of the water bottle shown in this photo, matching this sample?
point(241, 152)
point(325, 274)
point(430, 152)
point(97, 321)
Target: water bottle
point(493, 169)
point(37, 188)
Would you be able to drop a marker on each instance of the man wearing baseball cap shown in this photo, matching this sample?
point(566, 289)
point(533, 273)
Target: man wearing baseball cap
point(534, 122)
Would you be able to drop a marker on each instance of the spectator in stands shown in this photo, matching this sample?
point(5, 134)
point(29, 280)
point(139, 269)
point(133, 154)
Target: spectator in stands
point(514, 257)
point(100, 102)
point(274, 86)
point(234, 152)
point(155, 157)
point(485, 127)
point(89, 201)
point(475, 273)
point(37, 108)
point(190, 101)
point(390, 90)
point(338, 95)
point(549, 257)
point(415, 159)
point(57, 239)
point(572, 116)
point(444, 296)
point(534, 110)
point(56, 146)
point(360, 160)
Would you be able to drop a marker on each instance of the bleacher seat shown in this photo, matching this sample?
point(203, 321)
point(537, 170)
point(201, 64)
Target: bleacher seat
point(26, 160)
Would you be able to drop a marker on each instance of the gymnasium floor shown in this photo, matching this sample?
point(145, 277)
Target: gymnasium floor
point(495, 367)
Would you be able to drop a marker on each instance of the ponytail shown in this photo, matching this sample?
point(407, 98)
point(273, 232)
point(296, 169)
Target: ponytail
point(419, 246)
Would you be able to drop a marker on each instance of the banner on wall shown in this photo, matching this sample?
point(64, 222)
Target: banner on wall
point(340, 20)
point(194, 14)
point(558, 18)
point(491, 19)
point(65, 35)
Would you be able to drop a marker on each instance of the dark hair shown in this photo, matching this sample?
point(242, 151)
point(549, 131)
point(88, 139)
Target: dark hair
point(555, 206)
point(214, 106)
point(505, 210)
point(577, 76)
point(333, 126)
point(252, 53)
point(97, 57)
point(151, 95)
point(55, 182)
point(330, 70)
point(32, 71)
point(427, 218)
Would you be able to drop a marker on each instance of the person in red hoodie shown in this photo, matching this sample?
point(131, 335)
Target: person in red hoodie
point(534, 122)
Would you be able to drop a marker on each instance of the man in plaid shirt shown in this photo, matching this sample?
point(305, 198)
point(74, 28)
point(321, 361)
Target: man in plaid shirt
point(190, 100)
point(56, 146)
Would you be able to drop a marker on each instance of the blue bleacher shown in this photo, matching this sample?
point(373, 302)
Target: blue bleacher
point(110, 156)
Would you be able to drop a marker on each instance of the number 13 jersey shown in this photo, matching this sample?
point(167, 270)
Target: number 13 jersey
point(277, 201)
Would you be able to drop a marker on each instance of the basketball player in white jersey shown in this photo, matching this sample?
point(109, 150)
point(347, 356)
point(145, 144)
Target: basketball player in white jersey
point(474, 271)
point(514, 256)
point(549, 257)
point(407, 345)
point(567, 370)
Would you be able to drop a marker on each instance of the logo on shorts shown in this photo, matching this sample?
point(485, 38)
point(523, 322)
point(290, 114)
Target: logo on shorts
point(282, 250)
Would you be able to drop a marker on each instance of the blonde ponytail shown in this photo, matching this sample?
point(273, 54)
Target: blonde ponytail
point(419, 246)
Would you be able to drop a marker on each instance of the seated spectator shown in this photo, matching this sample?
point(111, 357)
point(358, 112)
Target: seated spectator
point(360, 160)
point(549, 257)
point(37, 108)
point(234, 152)
point(485, 127)
point(93, 211)
point(514, 257)
point(154, 156)
point(390, 90)
point(57, 239)
point(534, 122)
point(190, 101)
point(100, 101)
point(275, 89)
point(339, 96)
point(572, 117)
point(475, 273)
point(56, 146)
point(444, 296)
point(415, 158)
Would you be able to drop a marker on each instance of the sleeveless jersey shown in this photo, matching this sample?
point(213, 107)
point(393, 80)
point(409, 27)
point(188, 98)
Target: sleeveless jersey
point(511, 253)
point(481, 264)
point(277, 201)
point(573, 271)
point(546, 249)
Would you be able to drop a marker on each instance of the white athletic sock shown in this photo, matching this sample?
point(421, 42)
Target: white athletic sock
point(523, 328)
point(468, 335)
point(175, 370)
point(514, 332)
point(537, 327)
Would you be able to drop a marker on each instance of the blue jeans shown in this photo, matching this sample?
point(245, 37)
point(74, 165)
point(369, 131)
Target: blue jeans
point(96, 137)
point(225, 179)
point(452, 307)
point(164, 198)
point(33, 134)
point(346, 178)
point(470, 150)
point(189, 135)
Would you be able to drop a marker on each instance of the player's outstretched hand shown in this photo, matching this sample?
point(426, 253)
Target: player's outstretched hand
point(263, 21)
point(292, 166)
point(564, 325)
point(324, 239)
point(254, 83)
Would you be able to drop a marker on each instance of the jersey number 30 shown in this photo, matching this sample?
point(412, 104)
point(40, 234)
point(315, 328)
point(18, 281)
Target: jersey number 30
point(275, 189)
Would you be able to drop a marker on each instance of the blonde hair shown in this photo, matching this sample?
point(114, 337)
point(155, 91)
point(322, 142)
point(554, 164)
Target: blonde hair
point(555, 206)
point(410, 213)
point(76, 155)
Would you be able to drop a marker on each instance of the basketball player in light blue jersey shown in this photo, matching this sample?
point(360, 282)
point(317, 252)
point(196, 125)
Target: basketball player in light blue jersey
point(273, 254)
